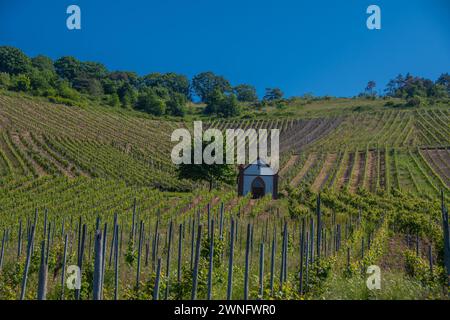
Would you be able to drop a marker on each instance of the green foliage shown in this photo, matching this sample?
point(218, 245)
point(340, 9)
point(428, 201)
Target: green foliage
point(127, 94)
point(21, 82)
point(130, 254)
point(65, 91)
point(5, 80)
point(13, 61)
point(210, 173)
point(176, 105)
point(419, 269)
point(207, 83)
point(222, 105)
point(410, 86)
point(68, 68)
point(413, 102)
point(43, 63)
point(150, 102)
point(273, 94)
point(245, 93)
point(175, 83)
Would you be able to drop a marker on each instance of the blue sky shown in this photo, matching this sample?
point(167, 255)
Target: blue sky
point(320, 46)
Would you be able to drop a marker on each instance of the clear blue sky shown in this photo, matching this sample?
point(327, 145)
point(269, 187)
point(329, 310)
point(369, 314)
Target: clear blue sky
point(318, 46)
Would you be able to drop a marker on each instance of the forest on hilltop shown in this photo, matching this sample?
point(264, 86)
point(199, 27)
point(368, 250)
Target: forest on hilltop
point(72, 82)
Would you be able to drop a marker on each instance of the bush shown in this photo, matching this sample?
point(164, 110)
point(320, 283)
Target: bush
point(151, 103)
point(21, 83)
point(389, 104)
point(60, 100)
point(5, 80)
point(176, 105)
point(39, 81)
point(13, 61)
point(413, 102)
point(65, 91)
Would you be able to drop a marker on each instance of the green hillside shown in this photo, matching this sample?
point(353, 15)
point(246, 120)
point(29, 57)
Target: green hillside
point(379, 170)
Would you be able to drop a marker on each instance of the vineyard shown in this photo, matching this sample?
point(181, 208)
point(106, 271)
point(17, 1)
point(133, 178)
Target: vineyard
point(94, 187)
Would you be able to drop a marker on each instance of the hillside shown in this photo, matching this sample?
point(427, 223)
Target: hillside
point(376, 150)
point(380, 173)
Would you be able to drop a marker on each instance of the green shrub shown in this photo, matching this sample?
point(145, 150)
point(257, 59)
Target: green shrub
point(413, 102)
point(60, 100)
point(5, 80)
point(21, 83)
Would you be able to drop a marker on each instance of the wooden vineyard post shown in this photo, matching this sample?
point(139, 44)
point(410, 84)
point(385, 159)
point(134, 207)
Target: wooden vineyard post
point(302, 253)
point(319, 226)
point(27, 262)
point(446, 238)
point(63, 269)
point(43, 270)
point(272, 260)
point(139, 258)
point(80, 258)
point(192, 242)
point(306, 260)
point(180, 250)
point(105, 232)
point(116, 262)
point(230, 262)
point(113, 239)
point(261, 271)
point(169, 249)
point(211, 260)
point(311, 241)
point(247, 261)
point(221, 222)
point(196, 262)
point(98, 261)
point(157, 280)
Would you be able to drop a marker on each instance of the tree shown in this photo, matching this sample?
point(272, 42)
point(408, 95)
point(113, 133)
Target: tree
point(43, 63)
point(64, 90)
point(150, 102)
point(245, 93)
point(88, 85)
point(93, 70)
point(209, 173)
point(229, 106)
point(370, 88)
point(444, 80)
point(176, 105)
point(13, 61)
point(127, 94)
point(113, 100)
point(21, 82)
point(68, 68)
point(204, 85)
point(223, 105)
point(273, 94)
point(124, 76)
point(175, 83)
point(41, 81)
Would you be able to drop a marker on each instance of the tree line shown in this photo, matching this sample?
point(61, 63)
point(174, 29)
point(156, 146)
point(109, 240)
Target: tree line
point(67, 80)
point(411, 88)
point(70, 81)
